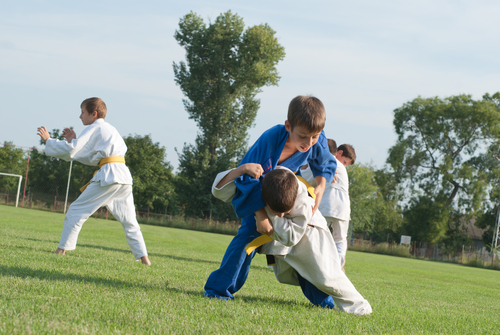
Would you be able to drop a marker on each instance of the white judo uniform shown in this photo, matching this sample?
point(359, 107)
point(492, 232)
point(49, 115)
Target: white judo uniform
point(335, 207)
point(111, 186)
point(303, 244)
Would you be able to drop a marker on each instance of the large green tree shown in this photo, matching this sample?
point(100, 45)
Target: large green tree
point(226, 67)
point(445, 160)
point(153, 179)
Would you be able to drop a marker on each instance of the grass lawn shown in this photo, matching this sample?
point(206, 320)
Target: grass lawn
point(100, 289)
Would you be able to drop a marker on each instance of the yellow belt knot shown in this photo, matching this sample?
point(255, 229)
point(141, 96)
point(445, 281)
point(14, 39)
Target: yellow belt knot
point(102, 162)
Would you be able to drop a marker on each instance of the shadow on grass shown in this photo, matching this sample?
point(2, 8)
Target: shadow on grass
point(177, 258)
point(24, 272)
point(245, 299)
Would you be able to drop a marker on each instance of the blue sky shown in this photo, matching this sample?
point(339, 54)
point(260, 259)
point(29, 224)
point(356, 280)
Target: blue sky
point(363, 59)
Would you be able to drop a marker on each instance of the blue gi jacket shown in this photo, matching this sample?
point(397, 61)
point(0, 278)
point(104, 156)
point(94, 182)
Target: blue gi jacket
point(266, 151)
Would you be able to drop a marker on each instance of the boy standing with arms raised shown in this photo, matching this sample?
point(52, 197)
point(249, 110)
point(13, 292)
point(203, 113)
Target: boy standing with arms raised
point(101, 145)
point(300, 141)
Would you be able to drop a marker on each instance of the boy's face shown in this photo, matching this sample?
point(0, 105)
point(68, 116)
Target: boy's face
point(87, 118)
point(278, 213)
point(344, 160)
point(302, 138)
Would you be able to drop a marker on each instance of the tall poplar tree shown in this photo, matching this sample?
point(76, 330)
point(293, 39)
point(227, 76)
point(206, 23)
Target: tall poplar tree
point(226, 67)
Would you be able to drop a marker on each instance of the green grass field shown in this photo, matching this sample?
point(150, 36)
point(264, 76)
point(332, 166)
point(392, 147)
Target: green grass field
point(100, 289)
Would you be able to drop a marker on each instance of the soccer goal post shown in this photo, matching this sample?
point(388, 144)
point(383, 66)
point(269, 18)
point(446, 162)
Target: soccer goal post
point(18, 186)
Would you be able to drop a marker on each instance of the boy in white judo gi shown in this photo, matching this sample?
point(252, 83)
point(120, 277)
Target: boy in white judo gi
point(101, 145)
point(336, 205)
point(303, 246)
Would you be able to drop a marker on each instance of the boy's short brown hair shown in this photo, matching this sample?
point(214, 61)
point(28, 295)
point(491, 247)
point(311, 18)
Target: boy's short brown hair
point(95, 104)
point(279, 190)
point(348, 152)
point(332, 146)
point(308, 112)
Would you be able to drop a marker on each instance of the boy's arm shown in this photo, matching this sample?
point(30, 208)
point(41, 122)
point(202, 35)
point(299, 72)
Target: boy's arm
point(81, 149)
point(319, 191)
point(262, 222)
point(251, 169)
point(223, 187)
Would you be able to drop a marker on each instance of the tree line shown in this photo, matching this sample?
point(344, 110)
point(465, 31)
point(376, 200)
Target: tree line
point(442, 171)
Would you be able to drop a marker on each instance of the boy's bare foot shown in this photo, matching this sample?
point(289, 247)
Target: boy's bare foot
point(60, 251)
point(145, 260)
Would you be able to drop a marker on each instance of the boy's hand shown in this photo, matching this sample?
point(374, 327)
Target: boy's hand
point(69, 134)
point(44, 134)
point(252, 169)
point(336, 177)
point(319, 191)
point(262, 222)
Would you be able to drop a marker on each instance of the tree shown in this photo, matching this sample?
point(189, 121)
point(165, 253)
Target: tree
point(373, 201)
point(444, 159)
point(153, 179)
point(225, 70)
point(13, 161)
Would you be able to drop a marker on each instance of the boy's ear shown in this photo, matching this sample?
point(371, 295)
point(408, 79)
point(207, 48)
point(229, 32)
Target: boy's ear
point(94, 114)
point(339, 153)
point(288, 126)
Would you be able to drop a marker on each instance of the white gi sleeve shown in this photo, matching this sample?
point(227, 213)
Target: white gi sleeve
point(227, 191)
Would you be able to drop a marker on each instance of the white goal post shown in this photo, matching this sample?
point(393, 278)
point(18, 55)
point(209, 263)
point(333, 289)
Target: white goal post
point(18, 186)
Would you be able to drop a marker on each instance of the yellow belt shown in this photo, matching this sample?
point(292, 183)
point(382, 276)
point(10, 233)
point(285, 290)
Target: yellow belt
point(104, 161)
point(263, 239)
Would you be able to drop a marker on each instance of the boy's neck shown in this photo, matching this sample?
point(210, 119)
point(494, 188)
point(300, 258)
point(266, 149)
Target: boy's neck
point(288, 150)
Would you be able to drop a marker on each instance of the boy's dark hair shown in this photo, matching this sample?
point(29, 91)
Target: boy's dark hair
point(332, 146)
point(348, 151)
point(308, 112)
point(95, 104)
point(279, 190)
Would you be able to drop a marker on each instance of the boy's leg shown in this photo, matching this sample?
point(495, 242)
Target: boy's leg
point(315, 296)
point(233, 271)
point(288, 275)
point(121, 205)
point(79, 211)
point(339, 230)
point(315, 259)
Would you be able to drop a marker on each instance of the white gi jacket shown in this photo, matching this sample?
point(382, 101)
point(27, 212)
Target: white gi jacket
point(98, 140)
point(303, 244)
point(335, 202)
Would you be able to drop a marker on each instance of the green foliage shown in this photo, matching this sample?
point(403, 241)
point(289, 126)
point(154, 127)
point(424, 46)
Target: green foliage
point(487, 221)
point(444, 159)
point(373, 200)
point(153, 179)
point(225, 68)
point(100, 289)
point(13, 161)
point(426, 220)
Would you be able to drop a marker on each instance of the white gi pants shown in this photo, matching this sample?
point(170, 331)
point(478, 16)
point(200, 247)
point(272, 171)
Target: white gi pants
point(315, 259)
point(119, 200)
point(339, 230)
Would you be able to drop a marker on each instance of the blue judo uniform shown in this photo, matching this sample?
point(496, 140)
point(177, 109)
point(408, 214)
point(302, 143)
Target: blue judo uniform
point(233, 272)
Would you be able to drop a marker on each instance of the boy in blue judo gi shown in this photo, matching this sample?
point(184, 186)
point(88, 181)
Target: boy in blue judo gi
point(299, 141)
